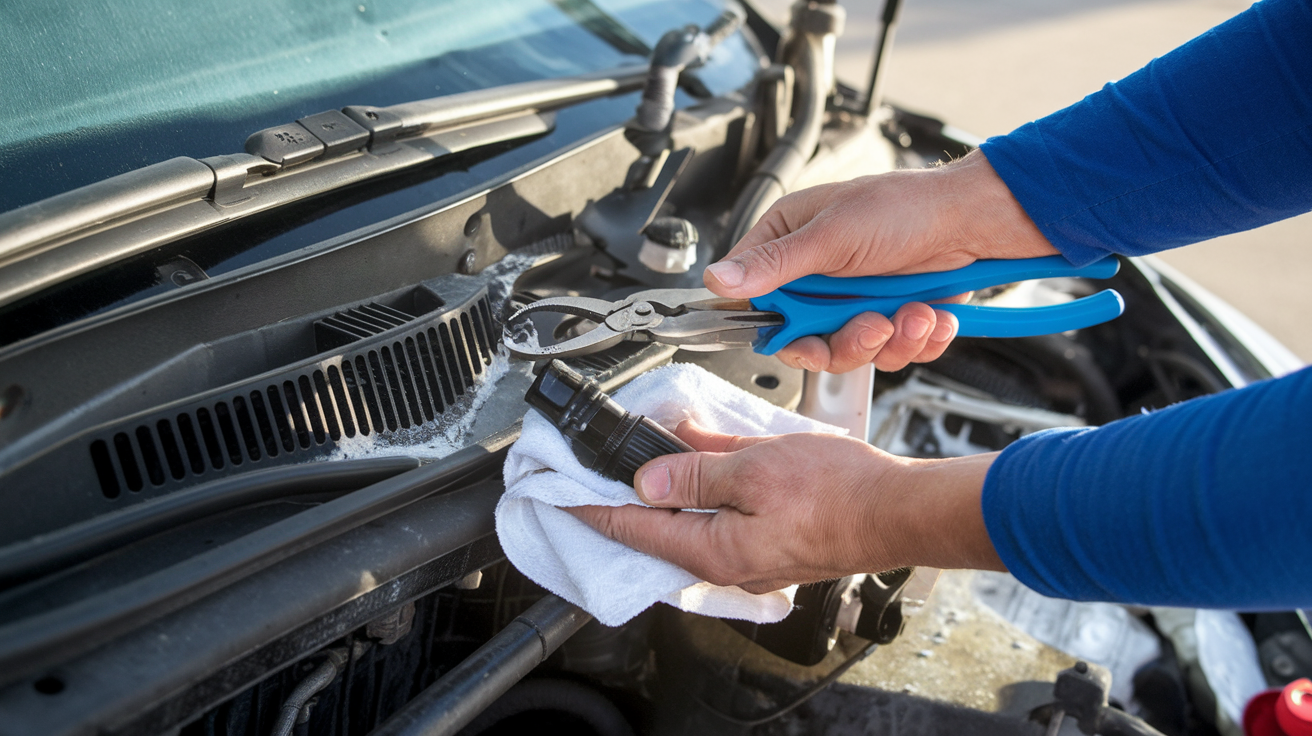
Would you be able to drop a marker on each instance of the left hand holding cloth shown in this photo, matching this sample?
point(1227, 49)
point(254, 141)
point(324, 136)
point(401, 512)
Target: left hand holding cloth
point(609, 580)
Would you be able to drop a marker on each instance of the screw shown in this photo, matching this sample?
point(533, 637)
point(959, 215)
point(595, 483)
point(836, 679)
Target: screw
point(468, 263)
point(1081, 667)
point(642, 308)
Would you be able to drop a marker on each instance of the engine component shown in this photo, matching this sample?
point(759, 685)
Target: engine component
point(930, 416)
point(866, 605)
point(604, 436)
point(670, 245)
point(810, 631)
point(465, 691)
point(1081, 693)
point(809, 50)
point(390, 628)
point(649, 130)
point(297, 707)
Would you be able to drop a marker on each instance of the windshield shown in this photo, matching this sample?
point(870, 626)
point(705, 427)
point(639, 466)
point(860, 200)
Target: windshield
point(95, 88)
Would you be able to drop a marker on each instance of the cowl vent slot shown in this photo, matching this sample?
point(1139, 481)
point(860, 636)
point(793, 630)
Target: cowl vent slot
point(357, 323)
point(382, 385)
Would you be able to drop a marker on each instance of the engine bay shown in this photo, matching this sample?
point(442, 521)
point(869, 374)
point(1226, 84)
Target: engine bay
point(279, 519)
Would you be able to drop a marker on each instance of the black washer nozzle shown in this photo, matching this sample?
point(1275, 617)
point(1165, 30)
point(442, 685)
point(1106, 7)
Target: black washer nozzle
point(604, 436)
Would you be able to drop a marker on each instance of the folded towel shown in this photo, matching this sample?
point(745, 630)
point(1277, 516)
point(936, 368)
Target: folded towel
point(607, 579)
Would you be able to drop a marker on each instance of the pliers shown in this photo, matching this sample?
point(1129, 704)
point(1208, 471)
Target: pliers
point(697, 319)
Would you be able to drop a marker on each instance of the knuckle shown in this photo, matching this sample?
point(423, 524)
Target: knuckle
point(848, 351)
point(707, 495)
point(610, 526)
point(686, 478)
point(735, 442)
point(768, 256)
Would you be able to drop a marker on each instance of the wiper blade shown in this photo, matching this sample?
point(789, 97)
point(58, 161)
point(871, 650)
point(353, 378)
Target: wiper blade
point(46, 242)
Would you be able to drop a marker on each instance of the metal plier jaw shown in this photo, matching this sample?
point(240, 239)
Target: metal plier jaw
point(693, 319)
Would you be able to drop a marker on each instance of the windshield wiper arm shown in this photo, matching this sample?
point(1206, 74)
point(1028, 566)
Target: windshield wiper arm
point(46, 242)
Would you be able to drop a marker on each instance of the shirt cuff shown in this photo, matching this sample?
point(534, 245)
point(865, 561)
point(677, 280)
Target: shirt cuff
point(1022, 161)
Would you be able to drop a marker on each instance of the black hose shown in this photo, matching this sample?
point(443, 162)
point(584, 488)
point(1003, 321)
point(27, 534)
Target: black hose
point(1207, 378)
point(775, 176)
point(82, 541)
point(320, 678)
point(460, 695)
point(1102, 405)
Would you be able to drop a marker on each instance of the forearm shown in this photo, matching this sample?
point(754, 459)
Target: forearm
point(1203, 504)
point(932, 516)
point(1212, 138)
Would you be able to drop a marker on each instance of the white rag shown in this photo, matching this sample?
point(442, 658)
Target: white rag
point(613, 582)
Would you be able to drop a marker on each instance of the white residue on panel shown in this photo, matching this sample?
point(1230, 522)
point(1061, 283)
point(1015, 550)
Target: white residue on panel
point(438, 438)
point(449, 432)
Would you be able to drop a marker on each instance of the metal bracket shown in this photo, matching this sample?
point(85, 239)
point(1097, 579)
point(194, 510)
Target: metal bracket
point(230, 175)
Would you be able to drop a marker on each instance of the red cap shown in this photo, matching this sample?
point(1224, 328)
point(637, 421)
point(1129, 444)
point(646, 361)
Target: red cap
point(1294, 708)
point(1283, 712)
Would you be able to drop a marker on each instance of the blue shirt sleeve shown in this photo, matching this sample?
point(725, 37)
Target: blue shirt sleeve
point(1207, 503)
point(1212, 138)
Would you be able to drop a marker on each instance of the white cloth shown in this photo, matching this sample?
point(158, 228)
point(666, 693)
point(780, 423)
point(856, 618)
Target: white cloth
point(607, 579)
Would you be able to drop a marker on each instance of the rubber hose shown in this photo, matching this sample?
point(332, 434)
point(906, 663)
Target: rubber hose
point(775, 176)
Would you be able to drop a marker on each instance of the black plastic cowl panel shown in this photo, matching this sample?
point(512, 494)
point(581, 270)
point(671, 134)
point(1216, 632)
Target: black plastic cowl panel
point(411, 372)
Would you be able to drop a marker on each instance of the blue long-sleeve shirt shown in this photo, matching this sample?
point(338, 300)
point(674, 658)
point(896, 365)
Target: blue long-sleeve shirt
point(1206, 503)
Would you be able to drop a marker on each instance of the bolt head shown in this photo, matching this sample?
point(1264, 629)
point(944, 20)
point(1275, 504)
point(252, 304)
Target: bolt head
point(468, 263)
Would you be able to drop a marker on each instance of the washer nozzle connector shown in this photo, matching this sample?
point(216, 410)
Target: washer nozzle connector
point(604, 436)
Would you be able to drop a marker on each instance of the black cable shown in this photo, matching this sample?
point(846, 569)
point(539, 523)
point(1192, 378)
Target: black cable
point(805, 695)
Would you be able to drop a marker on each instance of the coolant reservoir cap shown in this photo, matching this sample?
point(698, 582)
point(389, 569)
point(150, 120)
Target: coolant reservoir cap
point(670, 245)
point(1294, 708)
point(1282, 712)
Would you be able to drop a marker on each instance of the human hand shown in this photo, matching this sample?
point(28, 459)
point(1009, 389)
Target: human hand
point(799, 508)
point(906, 221)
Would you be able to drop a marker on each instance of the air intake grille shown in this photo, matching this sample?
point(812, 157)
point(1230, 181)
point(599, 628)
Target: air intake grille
point(384, 385)
point(357, 323)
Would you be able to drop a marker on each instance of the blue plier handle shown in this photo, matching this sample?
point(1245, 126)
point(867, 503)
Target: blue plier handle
point(820, 305)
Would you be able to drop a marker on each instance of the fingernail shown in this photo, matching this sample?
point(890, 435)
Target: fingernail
point(729, 273)
point(942, 331)
point(655, 483)
point(870, 339)
point(915, 327)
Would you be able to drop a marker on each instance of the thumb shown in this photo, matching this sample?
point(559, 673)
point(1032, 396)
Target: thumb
point(688, 480)
point(760, 269)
